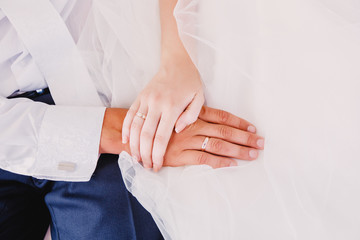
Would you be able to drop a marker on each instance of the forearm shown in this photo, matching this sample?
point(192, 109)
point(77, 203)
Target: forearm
point(172, 47)
point(173, 98)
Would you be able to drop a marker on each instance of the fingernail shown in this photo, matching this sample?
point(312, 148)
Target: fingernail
point(156, 167)
point(179, 127)
point(147, 166)
point(233, 164)
point(124, 140)
point(260, 142)
point(252, 129)
point(253, 153)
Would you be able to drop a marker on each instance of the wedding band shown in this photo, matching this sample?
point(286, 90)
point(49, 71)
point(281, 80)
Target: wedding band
point(205, 142)
point(141, 115)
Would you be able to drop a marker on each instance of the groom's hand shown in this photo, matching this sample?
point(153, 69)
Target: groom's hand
point(229, 137)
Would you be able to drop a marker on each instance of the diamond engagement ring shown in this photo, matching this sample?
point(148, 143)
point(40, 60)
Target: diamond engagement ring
point(141, 115)
point(205, 142)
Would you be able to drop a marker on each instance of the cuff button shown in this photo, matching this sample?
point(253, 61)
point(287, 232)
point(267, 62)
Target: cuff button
point(67, 166)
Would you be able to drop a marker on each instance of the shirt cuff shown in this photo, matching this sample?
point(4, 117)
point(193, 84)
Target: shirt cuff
point(68, 146)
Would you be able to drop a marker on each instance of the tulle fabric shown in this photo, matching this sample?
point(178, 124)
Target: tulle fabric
point(291, 67)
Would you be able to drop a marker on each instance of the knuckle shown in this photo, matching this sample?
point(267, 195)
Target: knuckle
point(225, 132)
point(146, 136)
point(216, 145)
point(160, 140)
point(249, 140)
point(223, 116)
point(172, 103)
point(203, 111)
point(202, 159)
point(134, 125)
point(241, 123)
point(218, 163)
point(242, 153)
point(156, 97)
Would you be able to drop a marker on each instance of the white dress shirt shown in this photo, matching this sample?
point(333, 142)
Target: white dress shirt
point(50, 142)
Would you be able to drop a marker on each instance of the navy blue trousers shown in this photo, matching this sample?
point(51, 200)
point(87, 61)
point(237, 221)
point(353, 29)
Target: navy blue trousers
point(99, 209)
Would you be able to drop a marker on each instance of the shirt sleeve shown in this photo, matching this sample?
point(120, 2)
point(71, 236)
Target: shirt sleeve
point(49, 142)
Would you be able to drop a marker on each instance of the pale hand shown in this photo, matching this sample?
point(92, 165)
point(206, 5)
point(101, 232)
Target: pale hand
point(229, 137)
point(173, 98)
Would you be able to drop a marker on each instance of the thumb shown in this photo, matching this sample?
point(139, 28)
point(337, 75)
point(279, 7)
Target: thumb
point(191, 114)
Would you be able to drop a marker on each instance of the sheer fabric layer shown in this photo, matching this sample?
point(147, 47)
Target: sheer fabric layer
point(290, 67)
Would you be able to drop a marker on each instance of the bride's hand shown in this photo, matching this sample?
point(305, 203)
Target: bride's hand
point(228, 137)
point(174, 97)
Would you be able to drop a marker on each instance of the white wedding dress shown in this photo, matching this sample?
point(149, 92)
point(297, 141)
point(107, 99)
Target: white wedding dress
point(292, 68)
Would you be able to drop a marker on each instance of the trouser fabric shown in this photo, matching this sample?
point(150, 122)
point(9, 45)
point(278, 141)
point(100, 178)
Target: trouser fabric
point(101, 208)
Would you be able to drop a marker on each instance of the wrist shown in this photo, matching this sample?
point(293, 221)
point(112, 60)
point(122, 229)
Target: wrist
point(172, 60)
point(110, 140)
point(174, 53)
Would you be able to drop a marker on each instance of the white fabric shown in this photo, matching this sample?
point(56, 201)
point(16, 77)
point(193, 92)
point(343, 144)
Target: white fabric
point(36, 139)
point(291, 67)
point(40, 27)
point(17, 67)
point(122, 56)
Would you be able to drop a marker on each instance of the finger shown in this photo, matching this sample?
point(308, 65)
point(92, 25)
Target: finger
point(135, 130)
point(223, 148)
point(222, 117)
point(161, 140)
point(147, 136)
point(191, 114)
point(233, 135)
point(194, 157)
point(128, 120)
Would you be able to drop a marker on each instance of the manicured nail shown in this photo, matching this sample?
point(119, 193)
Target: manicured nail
point(148, 166)
point(156, 167)
point(252, 129)
point(260, 142)
point(233, 164)
point(253, 153)
point(179, 127)
point(124, 140)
